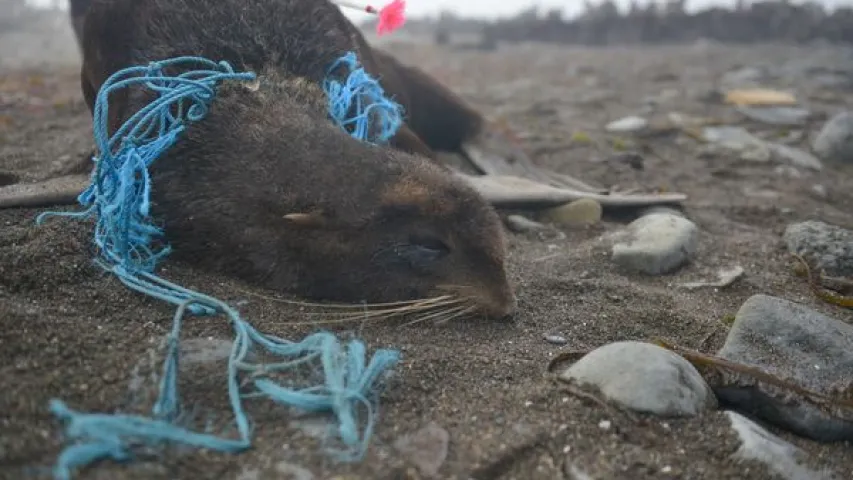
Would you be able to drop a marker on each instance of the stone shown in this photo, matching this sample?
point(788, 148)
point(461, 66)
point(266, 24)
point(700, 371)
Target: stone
point(661, 209)
point(794, 156)
point(834, 142)
point(425, 448)
point(819, 191)
point(627, 124)
point(584, 211)
point(776, 115)
point(801, 346)
point(644, 378)
point(824, 246)
point(725, 277)
point(780, 457)
point(732, 138)
point(656, 244)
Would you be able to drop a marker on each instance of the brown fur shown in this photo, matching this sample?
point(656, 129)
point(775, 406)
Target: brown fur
point(267, 189)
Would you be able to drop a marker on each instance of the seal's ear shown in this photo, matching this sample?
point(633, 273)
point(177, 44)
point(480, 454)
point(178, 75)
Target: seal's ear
point(306, 220)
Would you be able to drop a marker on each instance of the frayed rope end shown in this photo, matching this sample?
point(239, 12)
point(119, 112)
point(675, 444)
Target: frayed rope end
point(360, 91)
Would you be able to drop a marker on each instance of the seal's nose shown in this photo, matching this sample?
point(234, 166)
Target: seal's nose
point(502, 307)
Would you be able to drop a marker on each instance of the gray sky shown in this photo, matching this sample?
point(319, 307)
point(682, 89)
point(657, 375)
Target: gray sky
point(500, 8)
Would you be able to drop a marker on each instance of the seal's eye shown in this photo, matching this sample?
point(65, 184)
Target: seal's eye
point(422, 251)
point(429, 243)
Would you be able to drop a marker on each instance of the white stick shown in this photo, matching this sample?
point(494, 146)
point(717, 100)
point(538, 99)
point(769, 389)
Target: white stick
point(353, 5)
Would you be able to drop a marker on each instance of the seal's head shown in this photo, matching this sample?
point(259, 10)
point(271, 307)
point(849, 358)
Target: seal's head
point(424, 234)
point(268, 189)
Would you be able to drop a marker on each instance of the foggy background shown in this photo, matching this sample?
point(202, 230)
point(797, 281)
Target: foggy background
point(507, 8)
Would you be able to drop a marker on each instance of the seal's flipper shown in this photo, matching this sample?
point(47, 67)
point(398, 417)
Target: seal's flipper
point(493, 153)
point(55, 191)
point(445, 122)
point(508, 191)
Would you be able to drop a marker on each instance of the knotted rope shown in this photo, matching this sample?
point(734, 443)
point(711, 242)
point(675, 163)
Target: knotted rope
point(130, 246)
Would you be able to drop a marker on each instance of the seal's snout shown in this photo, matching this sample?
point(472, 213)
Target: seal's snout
point(502, 308)
point(501, 303)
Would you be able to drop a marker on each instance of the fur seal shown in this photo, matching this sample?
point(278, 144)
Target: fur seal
point(267, 189)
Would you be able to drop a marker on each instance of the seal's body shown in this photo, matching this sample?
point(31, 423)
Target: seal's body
point(267, 189)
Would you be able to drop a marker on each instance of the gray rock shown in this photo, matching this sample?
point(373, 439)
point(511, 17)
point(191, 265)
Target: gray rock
point(656, 244)
point(426, 448)
point(661, 209)
point(645, 378)
point(794, 156)
point(819, 191)
point(776, 115)
point(733, 138)
point(825, 246)
point(834, 142)
point(796, 343)
point(781, 457)
point(627, 124)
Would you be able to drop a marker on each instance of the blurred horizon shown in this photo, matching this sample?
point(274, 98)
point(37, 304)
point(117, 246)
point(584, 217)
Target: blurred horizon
point(489, 9)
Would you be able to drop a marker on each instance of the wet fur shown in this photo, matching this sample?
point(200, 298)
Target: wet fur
point(224, 189)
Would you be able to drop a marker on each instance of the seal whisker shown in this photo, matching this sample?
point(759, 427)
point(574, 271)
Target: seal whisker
point(341, 305)
point(455, 316)
point(384, 314)
point(416, 307)
point(432, 315)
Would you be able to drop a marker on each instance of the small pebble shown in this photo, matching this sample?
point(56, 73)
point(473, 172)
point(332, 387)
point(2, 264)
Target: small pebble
point(556, 339)
point(733, 138)
point(627, 124)
point(819, 191)
point(581, 212)
point(656, 244)
point(645, 378)
point(794, 156)
point(834, 142)
point(776, 115)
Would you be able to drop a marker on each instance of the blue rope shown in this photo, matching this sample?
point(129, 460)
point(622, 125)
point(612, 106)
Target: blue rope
point(369, 98)
point(130, 246)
